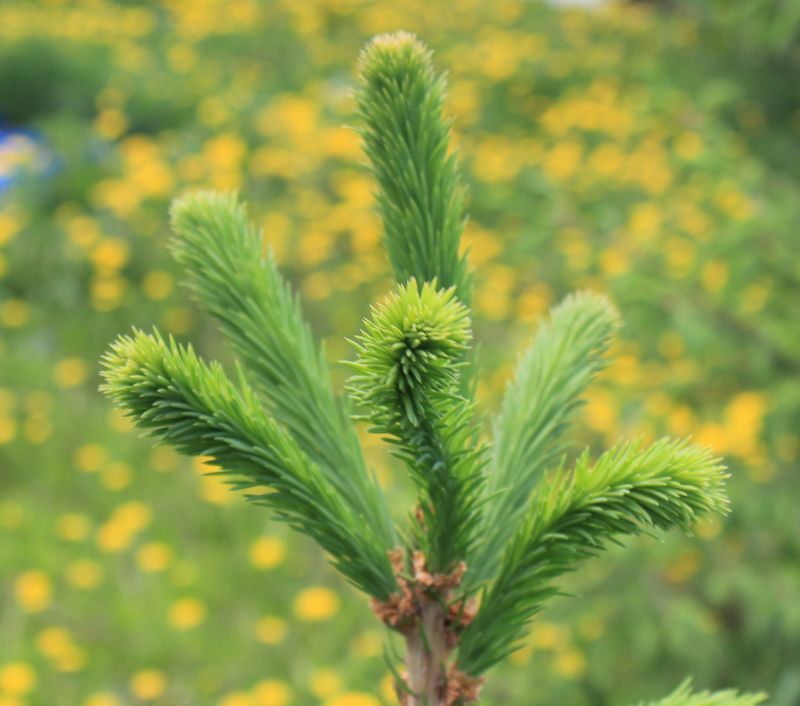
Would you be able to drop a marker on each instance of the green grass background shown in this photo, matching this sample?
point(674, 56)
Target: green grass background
point(646, 151)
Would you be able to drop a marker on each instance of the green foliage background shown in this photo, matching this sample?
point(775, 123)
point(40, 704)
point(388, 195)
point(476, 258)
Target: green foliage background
point(647, 152)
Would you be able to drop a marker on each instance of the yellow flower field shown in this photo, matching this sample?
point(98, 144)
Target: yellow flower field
point(615, 148)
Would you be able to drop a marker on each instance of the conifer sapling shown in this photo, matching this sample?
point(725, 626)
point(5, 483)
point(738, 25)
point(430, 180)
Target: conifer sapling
point(495, 524)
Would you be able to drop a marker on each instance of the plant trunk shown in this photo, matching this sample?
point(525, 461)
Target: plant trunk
point(426, 659)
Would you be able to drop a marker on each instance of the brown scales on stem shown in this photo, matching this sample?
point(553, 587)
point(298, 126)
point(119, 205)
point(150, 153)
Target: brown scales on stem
point(422, 611)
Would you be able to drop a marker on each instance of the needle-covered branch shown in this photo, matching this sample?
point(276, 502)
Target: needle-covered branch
point(684, 696)
point(512, 536)
point(628, 490)
point(547, 387)
point(407, 381)
point(407, 141)
point(169, 392)
point(237, 283)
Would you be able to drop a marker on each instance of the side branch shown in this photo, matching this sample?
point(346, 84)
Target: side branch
point(241, 287)
point(170, 393)
point(669, 484)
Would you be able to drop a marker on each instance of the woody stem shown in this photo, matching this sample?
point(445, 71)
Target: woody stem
point(426, 658)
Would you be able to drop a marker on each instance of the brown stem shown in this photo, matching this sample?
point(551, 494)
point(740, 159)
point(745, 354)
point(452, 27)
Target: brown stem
point(426, 658)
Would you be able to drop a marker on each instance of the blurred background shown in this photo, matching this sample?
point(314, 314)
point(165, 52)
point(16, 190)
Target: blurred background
point(648, 150)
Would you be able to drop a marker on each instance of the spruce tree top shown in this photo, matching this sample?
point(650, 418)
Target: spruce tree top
point(496, 523)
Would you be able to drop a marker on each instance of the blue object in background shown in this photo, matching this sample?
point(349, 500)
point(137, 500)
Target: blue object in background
point(21, 151)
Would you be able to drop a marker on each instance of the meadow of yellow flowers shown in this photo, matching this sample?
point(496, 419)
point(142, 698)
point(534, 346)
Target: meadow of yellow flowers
point(610, 147)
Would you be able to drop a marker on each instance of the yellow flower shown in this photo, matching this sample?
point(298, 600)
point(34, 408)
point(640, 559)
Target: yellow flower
point(341, 142)
point(177, 319)
point(317, 286)
point(688, 145)
point(84, 573)
point(154, 557)
point(148, 684)
point(315, 246)
point(499, 57)
point(8, 429)
point(316, 604)
point(110, 254)
point(17, 678)
point(276, 230)
point(157, 284)
point(116, 476)
point(754, 297)
point(270, 629)
point(110, 123)
point(681, 420)
point(497, 159)
point(683, 567)
point(224, 152)
point(267, 552)
point(70, 372)
point(53, 641)
point(483, 245)
point(733, 202)
point(292, 115)
point(708, 528)
point(73, 659)
point(113, 537)
point(33, 591)
point(680, 255)
point(212, 488)
point(367, 644)
point(388, 689)
point(606, 160)
point(119, 531)
point(187, 613)
point(116, 195)
point(182, 57)
point(547, 636)
point(82, 231)
point(325, 682)
point(10, 224)
point(11, 514)
point(271, 693)
point(614, 261)
point(715, 276)
point(107, 291)
point(493, 298)
point(601, 411)
point(712, 436)
point(571, 663)
point(14, 313)
point(90, 457)
point(73, 526)
point(133, 515)
point(563, 160)
point(645, 220)
point(743, 421)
